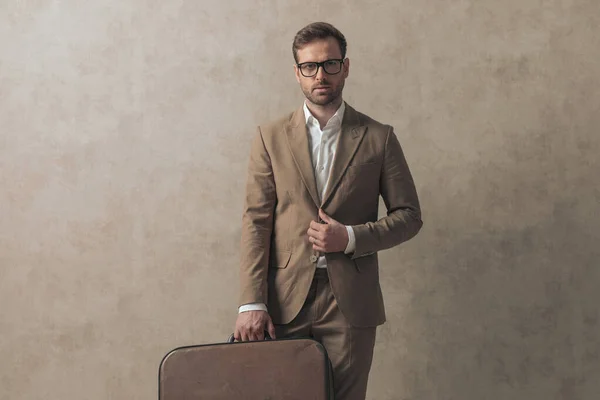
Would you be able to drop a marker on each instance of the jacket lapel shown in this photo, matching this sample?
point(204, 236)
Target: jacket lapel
point(297, 137)
point(349, 140)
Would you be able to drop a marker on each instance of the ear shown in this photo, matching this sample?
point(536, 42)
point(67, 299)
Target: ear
point(297, 73)
point(346, 67)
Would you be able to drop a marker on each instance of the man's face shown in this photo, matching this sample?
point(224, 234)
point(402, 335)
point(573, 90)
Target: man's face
point(322, 89)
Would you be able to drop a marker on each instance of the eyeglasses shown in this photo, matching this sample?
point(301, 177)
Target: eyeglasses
point(331, 67)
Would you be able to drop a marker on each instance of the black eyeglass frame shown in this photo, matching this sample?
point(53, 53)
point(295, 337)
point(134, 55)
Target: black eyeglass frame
point(321, 65)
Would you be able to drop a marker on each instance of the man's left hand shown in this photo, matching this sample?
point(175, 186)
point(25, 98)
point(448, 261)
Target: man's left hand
point(329, 237)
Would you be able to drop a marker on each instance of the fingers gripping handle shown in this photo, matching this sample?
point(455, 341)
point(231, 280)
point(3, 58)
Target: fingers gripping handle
point(231, 338)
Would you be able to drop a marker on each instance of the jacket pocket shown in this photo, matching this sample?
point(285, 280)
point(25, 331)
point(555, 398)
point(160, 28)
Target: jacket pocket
point(369, 167)
point(280, 259)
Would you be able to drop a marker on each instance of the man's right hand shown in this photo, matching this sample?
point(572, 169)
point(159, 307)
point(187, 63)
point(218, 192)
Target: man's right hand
point(251, 325)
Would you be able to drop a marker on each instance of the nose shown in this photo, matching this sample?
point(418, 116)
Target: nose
point(320, 74)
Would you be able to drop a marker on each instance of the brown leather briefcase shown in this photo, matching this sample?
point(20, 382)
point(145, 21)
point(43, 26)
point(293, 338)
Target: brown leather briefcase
point(278, 369)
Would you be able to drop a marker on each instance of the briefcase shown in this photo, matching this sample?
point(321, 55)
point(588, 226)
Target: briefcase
point(274, 369)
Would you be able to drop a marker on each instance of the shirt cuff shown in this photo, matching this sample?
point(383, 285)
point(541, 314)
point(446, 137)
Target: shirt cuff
point(351, 240)
point(252, 307)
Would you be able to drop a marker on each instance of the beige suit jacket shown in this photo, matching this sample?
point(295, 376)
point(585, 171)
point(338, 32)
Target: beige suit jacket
point(277, 260)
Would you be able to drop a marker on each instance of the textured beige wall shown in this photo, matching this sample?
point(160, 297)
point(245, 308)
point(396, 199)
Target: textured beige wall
point(124, 133)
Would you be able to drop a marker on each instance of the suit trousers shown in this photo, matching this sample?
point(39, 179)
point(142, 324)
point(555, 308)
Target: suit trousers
point(350, 349)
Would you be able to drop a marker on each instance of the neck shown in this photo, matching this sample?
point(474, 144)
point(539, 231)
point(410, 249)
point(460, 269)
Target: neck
point(324, 113)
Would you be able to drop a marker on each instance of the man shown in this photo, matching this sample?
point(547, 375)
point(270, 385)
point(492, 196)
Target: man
point(310, 233)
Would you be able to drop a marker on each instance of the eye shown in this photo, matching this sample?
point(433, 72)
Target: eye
point(332, 63)
point(309, 67)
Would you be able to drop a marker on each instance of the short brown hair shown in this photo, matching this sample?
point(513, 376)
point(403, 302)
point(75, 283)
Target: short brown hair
point(314, 31)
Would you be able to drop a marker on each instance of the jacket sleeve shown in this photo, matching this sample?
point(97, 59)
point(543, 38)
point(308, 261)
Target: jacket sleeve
point(257, 224)
point(403, 219)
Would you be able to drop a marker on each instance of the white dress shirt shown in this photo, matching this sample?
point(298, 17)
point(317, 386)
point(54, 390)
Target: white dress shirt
point(323, 144)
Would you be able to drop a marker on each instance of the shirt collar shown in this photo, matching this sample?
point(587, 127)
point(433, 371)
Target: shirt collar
point(336, 119)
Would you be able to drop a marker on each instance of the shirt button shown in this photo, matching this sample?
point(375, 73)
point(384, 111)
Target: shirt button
point(313, 258)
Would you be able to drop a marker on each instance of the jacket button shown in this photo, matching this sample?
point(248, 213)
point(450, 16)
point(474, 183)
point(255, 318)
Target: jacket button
point(313, 258)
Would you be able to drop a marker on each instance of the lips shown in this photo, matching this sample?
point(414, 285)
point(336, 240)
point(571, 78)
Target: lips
point(322, 88)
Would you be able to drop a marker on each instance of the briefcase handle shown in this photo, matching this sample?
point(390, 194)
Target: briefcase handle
point(231, 339)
